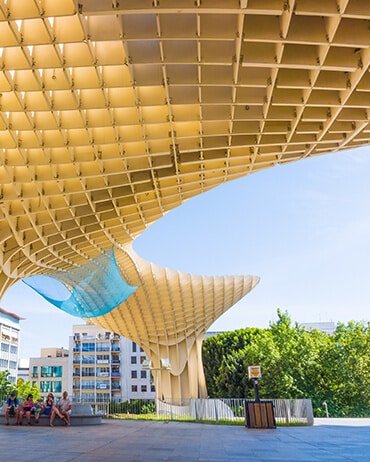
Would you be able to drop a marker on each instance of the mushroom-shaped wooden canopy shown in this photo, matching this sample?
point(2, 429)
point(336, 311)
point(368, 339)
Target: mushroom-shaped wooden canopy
point(115, 112)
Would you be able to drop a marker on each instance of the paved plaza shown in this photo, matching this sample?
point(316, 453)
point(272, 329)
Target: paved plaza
point(332, 440)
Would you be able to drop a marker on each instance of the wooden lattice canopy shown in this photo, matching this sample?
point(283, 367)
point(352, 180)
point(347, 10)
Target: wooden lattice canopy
point(113, 112)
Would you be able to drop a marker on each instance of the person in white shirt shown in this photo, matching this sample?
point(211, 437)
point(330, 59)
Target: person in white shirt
point(65, 406)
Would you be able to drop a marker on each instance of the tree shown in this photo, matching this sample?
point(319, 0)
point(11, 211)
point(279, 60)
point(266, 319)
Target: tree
point(5, 385)
point(295, 363)
point(23, 389)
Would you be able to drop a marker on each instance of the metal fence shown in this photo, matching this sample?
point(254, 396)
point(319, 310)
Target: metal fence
point(217, 411)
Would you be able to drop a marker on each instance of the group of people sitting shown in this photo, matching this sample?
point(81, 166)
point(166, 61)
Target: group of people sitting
point(29, 407)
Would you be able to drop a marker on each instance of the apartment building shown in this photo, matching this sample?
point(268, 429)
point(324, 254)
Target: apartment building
point(50, 371)
point(9, 348)
point(326, 327)
point(23, 369)
point(106, 366)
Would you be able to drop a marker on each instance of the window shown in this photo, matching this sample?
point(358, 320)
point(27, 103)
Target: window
point(102, 385)
point(142, 359)
point(152, 388)
point(102, 397)
point(51, 371)
point(87, 397)
point(102, 346)
point(134, 346)
point(4, 363)
point(87, 384)
point(13, 349)
point(102, 372)
point(35, 372)
point(133, 360)
point(116, 371)
point(88, 347)
point(134, 374)
point(4, 346)
point(143, 388)
point(143, 374)
point(50, 387)
point(87, 359)
point(12, 364)
point(88, 371)
point(134, 388)
point(102, 359)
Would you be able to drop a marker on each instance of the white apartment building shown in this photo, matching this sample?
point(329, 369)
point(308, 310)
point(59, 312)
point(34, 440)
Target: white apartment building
point(50, 371)
point(106, 366)
point(9, 348)
point(23, 369)
point(326, 327)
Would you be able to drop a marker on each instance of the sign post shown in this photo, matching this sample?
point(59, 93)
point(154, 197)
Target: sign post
point(254, 373)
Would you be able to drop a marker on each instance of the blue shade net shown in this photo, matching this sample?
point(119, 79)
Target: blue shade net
point(89, 291)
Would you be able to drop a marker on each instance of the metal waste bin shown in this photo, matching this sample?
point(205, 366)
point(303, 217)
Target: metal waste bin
point(259, 414)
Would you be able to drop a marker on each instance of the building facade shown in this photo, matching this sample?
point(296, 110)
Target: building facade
point(23, 369)
point(51, 371)
point(9, 348)
point(106, 367)
point(326, 327)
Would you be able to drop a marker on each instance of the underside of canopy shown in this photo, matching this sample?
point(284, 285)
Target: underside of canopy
point(115, 112)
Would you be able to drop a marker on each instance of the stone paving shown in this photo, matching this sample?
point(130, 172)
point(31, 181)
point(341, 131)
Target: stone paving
point(332, 440)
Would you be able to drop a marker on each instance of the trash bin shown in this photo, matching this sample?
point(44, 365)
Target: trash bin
point(259, 414)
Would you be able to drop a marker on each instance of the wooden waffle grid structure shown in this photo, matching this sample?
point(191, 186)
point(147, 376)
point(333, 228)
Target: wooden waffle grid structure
point(113, 112)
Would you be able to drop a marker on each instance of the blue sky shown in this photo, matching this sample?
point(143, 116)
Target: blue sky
point(303, 228)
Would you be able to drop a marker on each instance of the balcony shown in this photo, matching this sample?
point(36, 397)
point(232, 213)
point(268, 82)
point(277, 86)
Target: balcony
point(102, 386)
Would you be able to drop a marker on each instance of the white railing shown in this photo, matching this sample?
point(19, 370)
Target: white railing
point(287, 411)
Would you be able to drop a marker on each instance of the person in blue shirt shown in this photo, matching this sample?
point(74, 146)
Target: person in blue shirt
point(12, 408)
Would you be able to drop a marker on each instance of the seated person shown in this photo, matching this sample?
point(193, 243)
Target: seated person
point(12, 408)
point(38, 409)
point(51, 409)
point(64, 406)
point(26, 410)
